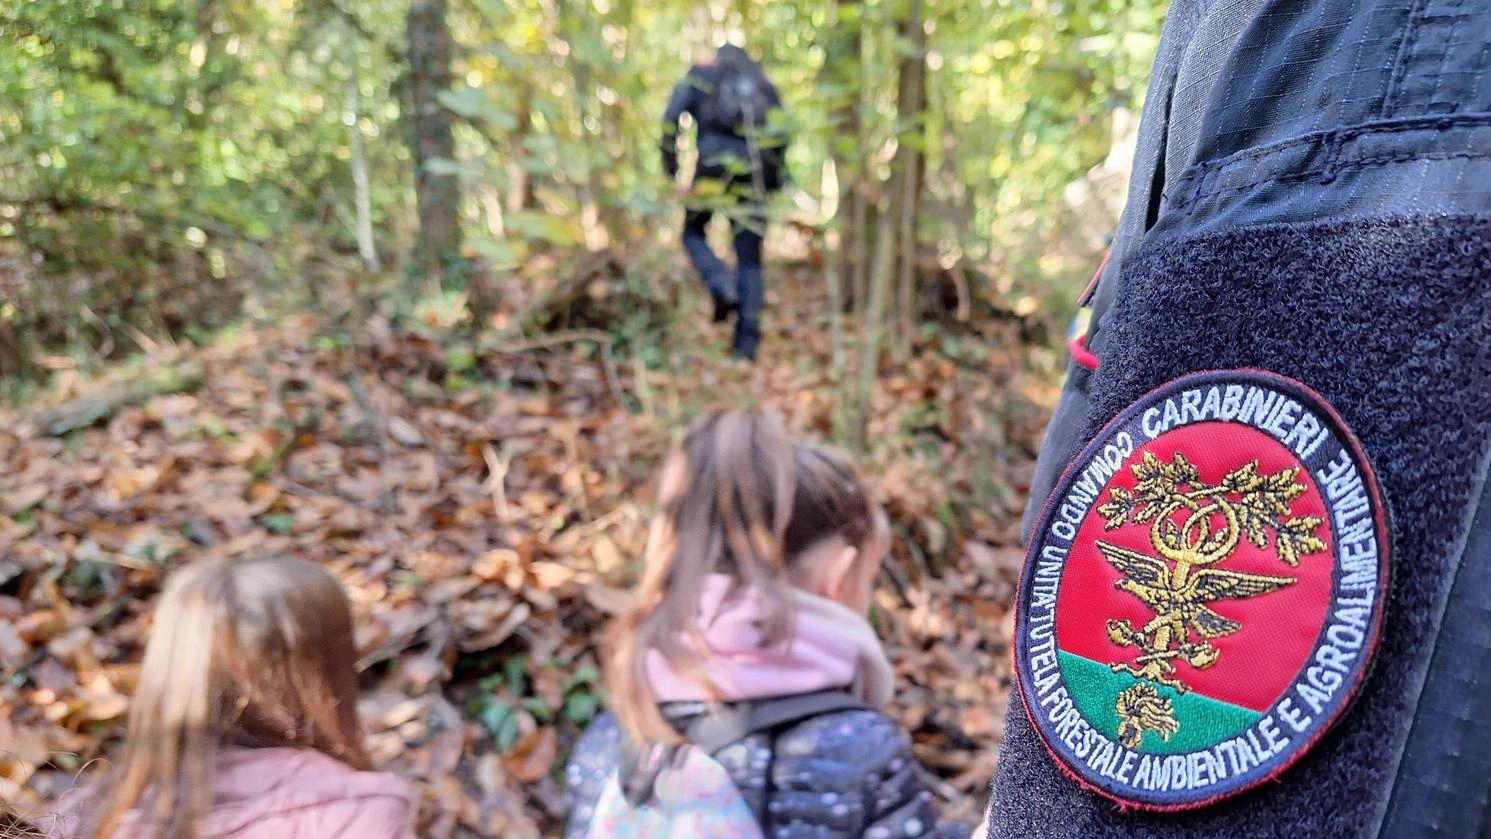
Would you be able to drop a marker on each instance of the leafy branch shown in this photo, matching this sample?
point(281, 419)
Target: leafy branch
point(1260, 503)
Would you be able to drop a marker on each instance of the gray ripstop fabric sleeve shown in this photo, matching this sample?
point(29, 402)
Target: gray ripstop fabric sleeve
point(1344, 127)
point(1390, 320)
point(1443, 790)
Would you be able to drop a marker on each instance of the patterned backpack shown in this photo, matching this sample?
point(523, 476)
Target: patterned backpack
point(681, 791)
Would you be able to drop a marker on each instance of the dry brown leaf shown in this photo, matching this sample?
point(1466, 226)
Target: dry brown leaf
point(606, 555)
point(532, 756)
point(552, 575)
point(609, 600)
point(13, 648)
point(489, 623)
point(406, 434)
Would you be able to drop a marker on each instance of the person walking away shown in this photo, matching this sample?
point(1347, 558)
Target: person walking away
point(741, 161)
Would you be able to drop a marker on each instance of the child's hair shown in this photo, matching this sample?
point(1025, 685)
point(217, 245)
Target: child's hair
point(251, 652)
point(12, 826)
point(721, 512)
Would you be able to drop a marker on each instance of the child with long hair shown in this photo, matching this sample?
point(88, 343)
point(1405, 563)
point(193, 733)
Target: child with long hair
point(244, 724)
point(759, 573)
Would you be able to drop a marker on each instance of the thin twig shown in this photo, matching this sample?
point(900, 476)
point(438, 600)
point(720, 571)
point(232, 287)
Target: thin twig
point(965, 300)
point(125, 561)
point(149, 345)
point(605, 521)
point(497, 481)
point(897, 581)
point(104, 330)
point(572, 449)
point(644, 390)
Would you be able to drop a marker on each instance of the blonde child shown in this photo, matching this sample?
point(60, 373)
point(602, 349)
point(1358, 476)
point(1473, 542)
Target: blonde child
point(244, 723)
point(750, 643)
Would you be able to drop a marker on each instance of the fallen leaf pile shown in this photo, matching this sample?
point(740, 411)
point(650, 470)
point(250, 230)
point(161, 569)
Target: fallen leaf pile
point(486, 510)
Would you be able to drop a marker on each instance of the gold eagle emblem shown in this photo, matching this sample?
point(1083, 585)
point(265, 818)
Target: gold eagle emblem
point(1195, 526)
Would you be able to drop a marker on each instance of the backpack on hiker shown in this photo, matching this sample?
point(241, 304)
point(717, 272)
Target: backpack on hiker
point(681, 791)
point(744, 99)
point(741, 103)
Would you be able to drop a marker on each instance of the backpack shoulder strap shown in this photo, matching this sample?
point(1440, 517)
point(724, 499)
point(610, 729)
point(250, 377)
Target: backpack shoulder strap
point(730, 724)
point(638, 765)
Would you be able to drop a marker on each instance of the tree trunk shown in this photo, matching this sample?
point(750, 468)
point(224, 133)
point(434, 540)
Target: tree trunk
point(911, 105)
point(872, 323)
point(438, 195)
point(587, 189)
point(520, 190)
point(843, 69)
point(833, 240)
point(366, 248)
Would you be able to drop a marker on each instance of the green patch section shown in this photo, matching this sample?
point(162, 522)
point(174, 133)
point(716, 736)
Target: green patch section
point(1204, 722)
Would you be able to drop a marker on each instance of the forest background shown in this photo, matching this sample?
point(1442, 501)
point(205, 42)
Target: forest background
point(395, 285)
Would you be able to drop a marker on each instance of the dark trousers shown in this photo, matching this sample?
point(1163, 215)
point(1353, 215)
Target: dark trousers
point(744, 291)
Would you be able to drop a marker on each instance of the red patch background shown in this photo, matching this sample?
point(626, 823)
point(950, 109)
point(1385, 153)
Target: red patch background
point(1279, 629)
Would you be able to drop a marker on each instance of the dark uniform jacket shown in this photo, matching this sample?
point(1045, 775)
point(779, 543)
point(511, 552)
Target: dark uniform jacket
point(725, 149)
point(1312, 196)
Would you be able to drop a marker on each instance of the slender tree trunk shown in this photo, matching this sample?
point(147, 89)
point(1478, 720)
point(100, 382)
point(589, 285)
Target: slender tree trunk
point(843, 72)
point(366, 248)
point(438, 194)
point(857, 249)
point(912, 97)
point(520, 183)
point(571, 21)
point(872, 323)
point(833, 241)
point(845, 232)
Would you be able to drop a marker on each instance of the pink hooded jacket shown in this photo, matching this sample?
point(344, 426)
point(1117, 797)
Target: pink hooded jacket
point(288, 794)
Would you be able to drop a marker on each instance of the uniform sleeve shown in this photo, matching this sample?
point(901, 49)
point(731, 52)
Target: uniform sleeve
point(774, 140)
point(591, 763)
point(773, 96)
point(680, 103)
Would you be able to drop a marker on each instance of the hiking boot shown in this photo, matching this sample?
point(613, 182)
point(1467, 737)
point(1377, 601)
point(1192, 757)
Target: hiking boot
point(724, 307)
point(747, 338)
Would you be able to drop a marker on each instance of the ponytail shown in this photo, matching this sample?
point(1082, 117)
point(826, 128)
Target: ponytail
point(722, 509)
point(736, 497)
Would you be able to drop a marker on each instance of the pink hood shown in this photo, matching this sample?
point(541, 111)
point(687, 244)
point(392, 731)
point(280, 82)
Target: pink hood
point(289, 794)
point(831, 647)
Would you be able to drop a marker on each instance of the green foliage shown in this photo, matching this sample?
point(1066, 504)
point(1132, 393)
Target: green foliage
point(156, 155)
point(505, 697)
point(165, 163)
point(280, 524)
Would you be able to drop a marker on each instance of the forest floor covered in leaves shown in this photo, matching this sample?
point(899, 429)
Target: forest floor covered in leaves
point(485, 500)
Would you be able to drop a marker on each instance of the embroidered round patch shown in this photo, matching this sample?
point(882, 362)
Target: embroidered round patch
point(1204, 592)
